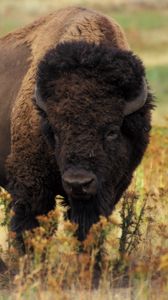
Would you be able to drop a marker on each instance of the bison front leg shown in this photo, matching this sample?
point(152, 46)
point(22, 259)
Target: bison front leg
point(33, 188)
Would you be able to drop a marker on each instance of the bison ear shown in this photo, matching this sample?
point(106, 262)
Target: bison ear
point(40, 103)
point(139, 101)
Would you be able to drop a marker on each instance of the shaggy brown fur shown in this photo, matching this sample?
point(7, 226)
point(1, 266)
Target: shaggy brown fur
point(83, 81)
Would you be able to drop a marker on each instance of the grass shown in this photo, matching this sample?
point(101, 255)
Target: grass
point(141, 19)
point(157, 76)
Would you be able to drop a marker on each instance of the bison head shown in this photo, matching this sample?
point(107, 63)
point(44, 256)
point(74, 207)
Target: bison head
point(95, 109)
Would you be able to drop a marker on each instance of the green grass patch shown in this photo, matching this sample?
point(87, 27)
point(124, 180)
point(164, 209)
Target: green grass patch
point(9, 24)
point(157, 75)
point(141, 19)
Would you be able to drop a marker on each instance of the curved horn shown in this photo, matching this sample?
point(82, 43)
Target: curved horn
point(39, 101)
point(139, 101)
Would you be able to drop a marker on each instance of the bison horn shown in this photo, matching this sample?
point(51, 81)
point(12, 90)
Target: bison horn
point(40, 103)
point(140, 100)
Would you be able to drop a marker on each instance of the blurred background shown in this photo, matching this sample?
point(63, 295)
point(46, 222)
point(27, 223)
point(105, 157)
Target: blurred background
point(144, 21)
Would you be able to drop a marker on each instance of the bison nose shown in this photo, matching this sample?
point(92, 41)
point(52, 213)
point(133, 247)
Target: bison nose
point(79, 183)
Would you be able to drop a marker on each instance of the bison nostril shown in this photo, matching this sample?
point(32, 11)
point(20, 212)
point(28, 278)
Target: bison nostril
point(86, 185)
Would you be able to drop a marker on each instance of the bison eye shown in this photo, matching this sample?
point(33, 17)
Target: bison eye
point(112, 134)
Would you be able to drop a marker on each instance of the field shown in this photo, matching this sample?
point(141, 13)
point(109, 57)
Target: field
point(132, 246)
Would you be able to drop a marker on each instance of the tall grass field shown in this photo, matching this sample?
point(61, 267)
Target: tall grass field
point(126, 255)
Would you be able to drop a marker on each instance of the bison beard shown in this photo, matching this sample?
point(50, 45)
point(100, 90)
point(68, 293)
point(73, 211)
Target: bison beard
point(84, 216)
point(86, 213)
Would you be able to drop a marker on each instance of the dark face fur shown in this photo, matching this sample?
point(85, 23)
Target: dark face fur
point(84, 89)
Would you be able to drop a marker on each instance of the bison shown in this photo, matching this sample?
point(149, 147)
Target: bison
point(75, 117)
